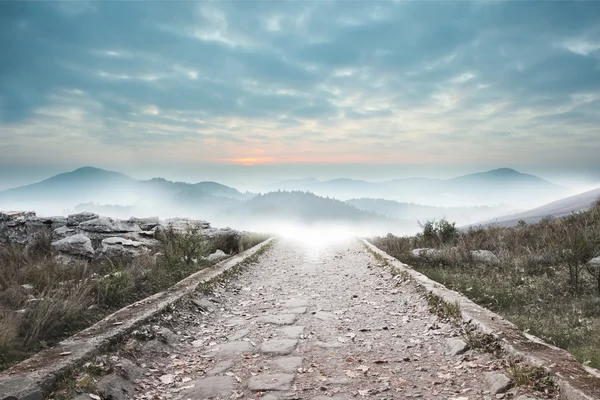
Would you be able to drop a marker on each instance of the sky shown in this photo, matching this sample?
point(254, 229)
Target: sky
point(308, 87)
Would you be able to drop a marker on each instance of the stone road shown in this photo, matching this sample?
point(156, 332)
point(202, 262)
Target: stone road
point(306, 323)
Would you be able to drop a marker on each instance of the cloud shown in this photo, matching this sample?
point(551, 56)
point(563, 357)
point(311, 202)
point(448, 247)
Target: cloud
point(214, 81)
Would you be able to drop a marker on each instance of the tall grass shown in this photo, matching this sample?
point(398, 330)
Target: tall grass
point(43, 301)
point(542, 282)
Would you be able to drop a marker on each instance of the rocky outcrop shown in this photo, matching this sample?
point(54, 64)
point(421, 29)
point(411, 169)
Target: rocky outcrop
point(77, 245)
point(120, 247)
point(90, 235)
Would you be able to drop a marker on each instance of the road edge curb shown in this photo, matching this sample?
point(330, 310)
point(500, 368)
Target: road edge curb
point(570, 374)
point(29, 379)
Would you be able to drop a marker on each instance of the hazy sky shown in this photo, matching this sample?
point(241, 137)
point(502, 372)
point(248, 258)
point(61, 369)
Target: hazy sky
point(179, 84)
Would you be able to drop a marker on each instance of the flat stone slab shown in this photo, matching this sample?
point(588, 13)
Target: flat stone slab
point(278, 319)
point(293, 332)
point(296, 310)
point(288, 364)
point(235, 321)
point(292, 303)
point(239, 334)
point(279, 346)
point(208, 388)
point(456, 346)
point(219, 368)
point(232, 348)
point(324, 315)
point(270, 382)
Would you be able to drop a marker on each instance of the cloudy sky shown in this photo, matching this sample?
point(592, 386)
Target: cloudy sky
point(272, 83)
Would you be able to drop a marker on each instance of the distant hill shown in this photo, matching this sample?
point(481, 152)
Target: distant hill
point(499, 186)
point(400, 210)
point(96, 186)
point(555, 209)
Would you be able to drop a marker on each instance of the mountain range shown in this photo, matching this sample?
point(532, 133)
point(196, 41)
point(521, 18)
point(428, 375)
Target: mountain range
point(304, 200)
point(499, 186)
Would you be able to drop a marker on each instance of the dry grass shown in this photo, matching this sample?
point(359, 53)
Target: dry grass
point(43, 301)
point(541, 283)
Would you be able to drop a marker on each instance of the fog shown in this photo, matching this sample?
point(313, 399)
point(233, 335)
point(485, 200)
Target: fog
point(311, 209)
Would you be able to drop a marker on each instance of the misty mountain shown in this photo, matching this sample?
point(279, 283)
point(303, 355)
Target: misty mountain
point(282, 208)
point(499, 186)
point(400, 210)
point(90, 185)
point(555, 209)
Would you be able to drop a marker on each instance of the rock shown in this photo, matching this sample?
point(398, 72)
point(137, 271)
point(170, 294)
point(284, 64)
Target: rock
point(12, 226)
point(19, 388)
point(523, 397)
point(128, 370)
point(239, 334)
point(264, 382)
point(155, 347)
point(456, 346)
point(121, 247)
point(210, 388)
point(324, 315)
point(76, 219)
point(108, 225)
point(293, 303)
point(167, 336)
point(278, 319)
point(221, 367)
point(484, 257)
point(78, 244)
point(293, 332)
point(184, 225)
point(114, 387)
point(216, 256)
point(204, 305)
point(427, 253)
point(594, 263)
point(235, 348)
point(145, 224)
point(33, 225)
point(280, 347)
point(297, 310)
point(288, 364)
point(62, 232)
point(499, 383)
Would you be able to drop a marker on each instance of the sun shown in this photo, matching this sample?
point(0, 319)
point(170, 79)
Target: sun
point(252, 160)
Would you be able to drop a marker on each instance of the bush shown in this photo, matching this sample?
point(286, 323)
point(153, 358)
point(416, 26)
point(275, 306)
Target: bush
point(439, 232)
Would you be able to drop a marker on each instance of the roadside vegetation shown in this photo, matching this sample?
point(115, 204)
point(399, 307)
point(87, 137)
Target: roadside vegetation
point(43, 301)
point(539, 276)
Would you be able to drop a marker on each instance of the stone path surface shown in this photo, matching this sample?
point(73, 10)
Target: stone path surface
point(308, 323)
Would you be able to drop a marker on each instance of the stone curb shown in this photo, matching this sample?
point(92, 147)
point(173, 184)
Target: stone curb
point(29, 379)
point(575, 382)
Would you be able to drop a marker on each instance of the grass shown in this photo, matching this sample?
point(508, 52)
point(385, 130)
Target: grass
point(541, 282)
point(43, 301)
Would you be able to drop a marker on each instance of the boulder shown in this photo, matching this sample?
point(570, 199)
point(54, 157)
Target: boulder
point(594, 263)
point(35, 224)
point(184, 225)
point(121, 247)
point(216, 256)
point(104, 225)
point(13, 227)
point(145, 224)
point(63, 232)
point(79, 245)
point(427, 253)
point(76, 219)
point(484, 257)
